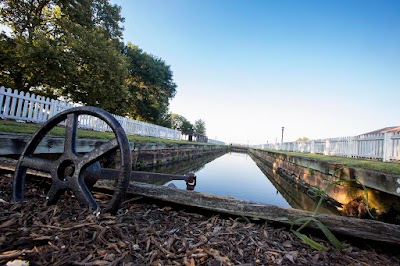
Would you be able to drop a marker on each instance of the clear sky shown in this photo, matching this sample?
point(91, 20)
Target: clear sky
point(319, 68)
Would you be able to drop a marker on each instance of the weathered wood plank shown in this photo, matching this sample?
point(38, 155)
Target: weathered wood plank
point(9, 164)
point(360, 228)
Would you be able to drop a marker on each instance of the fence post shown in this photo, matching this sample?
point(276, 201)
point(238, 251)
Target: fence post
point(124, 124)
point(327, 146)
point(20, 103)
point(13, 103)
point(387, 146)
point(6, 109)
point(349, 146)
point(2, 91)
point(53, 108)
point(31, 106)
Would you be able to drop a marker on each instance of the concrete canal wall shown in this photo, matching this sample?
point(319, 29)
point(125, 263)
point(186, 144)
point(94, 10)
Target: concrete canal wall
point(145, 155)
point(149, 155)
point(383, 189)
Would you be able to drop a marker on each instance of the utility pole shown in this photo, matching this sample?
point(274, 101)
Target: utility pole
point(283, 128)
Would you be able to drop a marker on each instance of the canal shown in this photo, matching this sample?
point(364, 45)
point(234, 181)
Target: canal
point(243, 176)
point(235, 175)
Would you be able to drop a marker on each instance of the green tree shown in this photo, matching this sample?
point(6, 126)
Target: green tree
point(302, 139)
point(68, 48)
point(73, 48)
point(101, 70)
point(95, 14)
point(27, 52)
point(199, 127)
point(150, 84)
point(180, 123)
point(165, 120)
point(187, 128)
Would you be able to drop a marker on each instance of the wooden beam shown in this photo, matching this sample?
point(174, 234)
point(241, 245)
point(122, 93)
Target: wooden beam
point(360, 228)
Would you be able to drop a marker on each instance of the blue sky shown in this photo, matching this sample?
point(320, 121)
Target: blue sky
point(319, 68)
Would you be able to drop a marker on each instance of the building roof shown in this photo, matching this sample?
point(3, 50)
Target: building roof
point(384, 130)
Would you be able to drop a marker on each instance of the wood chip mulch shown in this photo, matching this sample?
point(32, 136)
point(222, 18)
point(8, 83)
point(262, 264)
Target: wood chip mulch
point(143, 233)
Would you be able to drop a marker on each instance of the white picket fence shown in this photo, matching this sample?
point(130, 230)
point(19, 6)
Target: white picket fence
point(38, 109)
point(383, 146)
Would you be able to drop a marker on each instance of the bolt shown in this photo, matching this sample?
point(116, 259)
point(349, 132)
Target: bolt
point(69, 170)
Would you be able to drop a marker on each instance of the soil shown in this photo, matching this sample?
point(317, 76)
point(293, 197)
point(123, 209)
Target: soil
point(146, 232)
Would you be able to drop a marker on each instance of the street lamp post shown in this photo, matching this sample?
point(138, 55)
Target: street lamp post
point(283, 128)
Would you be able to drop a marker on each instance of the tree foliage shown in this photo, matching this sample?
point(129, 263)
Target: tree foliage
point(65, 48)
point(74, 49)
point(200, 127)
point(302, 139)
point(95, 14)
point(180, 123)
point(28, 52)
point(150, 84)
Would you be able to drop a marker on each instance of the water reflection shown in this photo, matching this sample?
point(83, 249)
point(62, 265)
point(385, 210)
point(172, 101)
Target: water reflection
point(236, 175)
point(188, 166)
point(243, 176)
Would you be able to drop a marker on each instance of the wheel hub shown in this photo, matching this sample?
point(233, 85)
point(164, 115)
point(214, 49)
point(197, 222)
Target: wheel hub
point(65, 170)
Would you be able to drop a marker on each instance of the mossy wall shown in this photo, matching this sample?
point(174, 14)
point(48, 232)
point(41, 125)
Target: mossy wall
point(381, 188)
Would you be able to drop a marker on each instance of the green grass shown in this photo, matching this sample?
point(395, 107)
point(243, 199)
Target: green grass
point(8, 126)
point(383, 167)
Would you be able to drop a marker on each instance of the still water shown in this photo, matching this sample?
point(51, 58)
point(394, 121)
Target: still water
point(236, 175)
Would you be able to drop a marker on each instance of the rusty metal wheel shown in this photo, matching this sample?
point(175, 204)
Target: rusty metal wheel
point(71, 169)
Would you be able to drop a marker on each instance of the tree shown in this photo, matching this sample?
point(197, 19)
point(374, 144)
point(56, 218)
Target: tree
point(302, 139)
point(165, 120)
point(200, 127)
point(65, 48)
point(180, 123)
point(95, 14)
point(74, 49)
point(27, 52)
point(101, 70)
point(150, 85)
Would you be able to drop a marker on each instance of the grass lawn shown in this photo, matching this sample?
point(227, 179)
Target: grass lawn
point(8, 126)
point(383, 167)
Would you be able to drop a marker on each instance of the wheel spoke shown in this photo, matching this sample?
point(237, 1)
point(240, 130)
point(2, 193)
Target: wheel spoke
point(19, 183)
point(53, 195)
point(83, 194)
point(39, 164)
point(95, 154)
point(71, 129)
